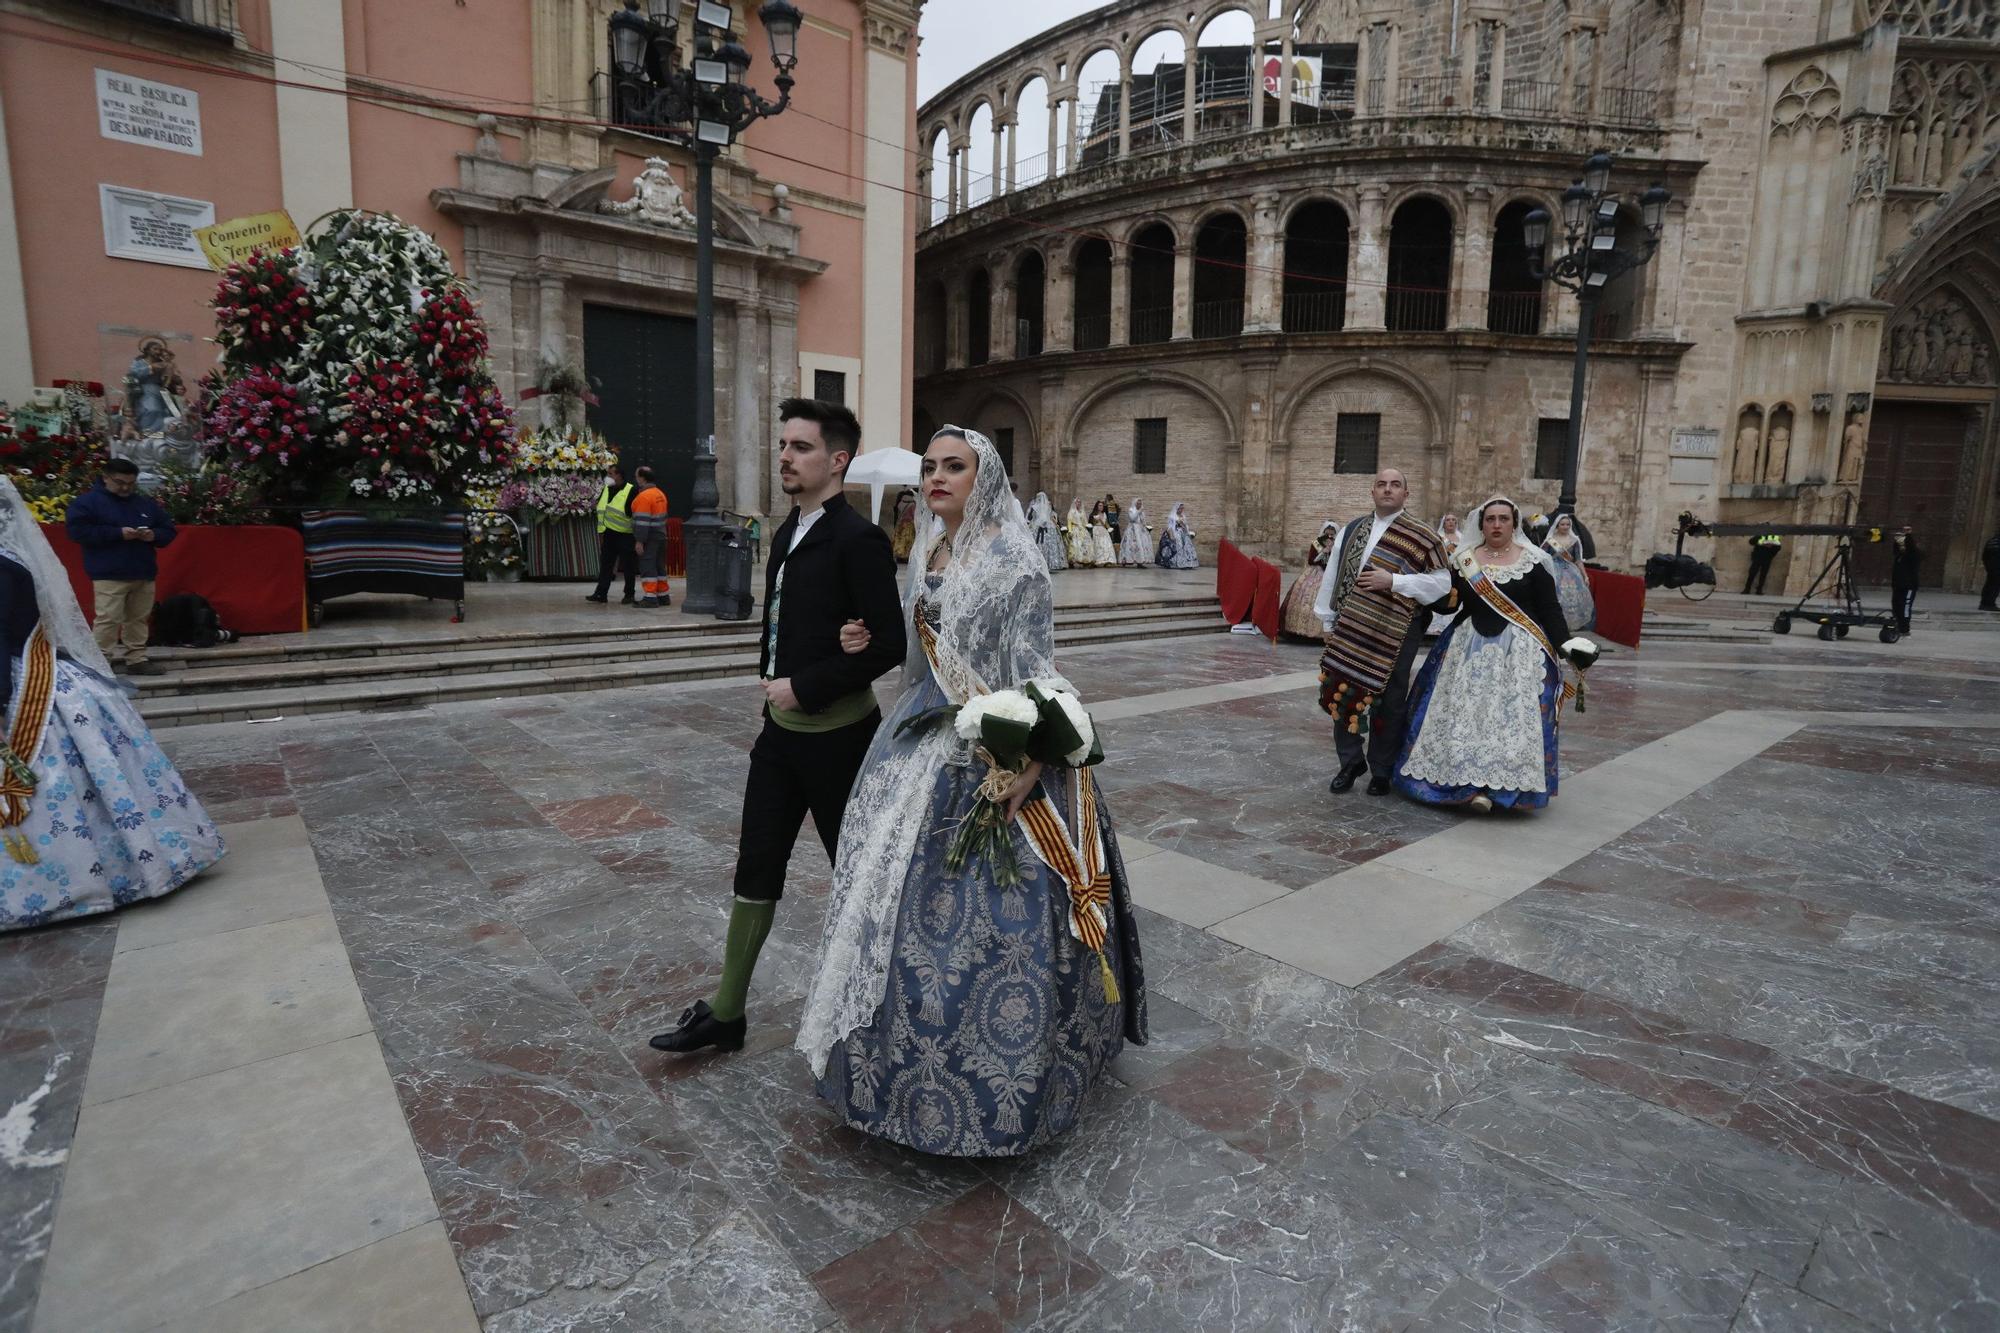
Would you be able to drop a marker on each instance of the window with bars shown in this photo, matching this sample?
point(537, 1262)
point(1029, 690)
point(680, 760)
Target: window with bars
point(1357, 442)
point(1149, 445)
point(1551, 447)
point(830, 386)
point(1003, 444)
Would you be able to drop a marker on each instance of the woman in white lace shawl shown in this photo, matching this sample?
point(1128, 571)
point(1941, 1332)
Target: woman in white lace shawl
point(954, 1011)
point(1048, 537)
point(1135, 545)
point(1483, 710)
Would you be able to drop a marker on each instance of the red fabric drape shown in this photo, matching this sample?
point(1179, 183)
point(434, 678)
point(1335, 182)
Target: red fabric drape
point(1621, 605)
point(1235, 582)
point(1264, 605)
point(254, 576)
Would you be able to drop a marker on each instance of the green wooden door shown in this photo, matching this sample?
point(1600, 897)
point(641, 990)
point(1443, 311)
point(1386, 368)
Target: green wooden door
point(641, 366)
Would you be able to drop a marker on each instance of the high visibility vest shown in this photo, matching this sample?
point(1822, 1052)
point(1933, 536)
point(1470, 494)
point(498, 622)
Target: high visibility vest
point(1770, 539)
point(612, 515)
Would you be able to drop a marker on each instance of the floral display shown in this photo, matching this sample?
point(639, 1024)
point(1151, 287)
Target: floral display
point(493, 545)
point(558, 473)
point(213, 495)
point(354, 368)
point(49, 469)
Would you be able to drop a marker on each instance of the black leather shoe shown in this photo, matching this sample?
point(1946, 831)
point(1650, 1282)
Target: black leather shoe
point(593, 597)
point(1345, 778)
point(700, 1029)
point(627, 600)
point(1378, 786)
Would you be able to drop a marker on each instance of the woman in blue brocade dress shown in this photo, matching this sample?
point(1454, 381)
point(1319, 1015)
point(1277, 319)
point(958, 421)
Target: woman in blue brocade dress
point(1568, 546)
point(1483, 711)
point(95, 815)
point(954, 1013)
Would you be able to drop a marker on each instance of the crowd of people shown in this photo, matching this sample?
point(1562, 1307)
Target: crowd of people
point(1105, 537)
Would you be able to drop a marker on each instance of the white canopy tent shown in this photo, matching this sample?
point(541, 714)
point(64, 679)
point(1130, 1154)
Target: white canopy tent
point(879, 469)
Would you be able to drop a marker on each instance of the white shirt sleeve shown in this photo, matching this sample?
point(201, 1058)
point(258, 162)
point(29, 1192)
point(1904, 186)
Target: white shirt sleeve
point(1424, 588)
point(1323, 599)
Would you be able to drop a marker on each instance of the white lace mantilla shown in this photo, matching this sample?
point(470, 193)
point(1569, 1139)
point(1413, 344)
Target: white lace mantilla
point(1484, 725)
point(1522, 563)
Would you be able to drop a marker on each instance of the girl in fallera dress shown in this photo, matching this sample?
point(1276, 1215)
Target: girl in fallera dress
point(1448, 533)
point(1103, 551)
point(968, 1010)
point(1076, 536)
point(905, 535)
point(1484, 709)
point(1177, 541)
point(1048, 537)
point(1135, 548)
point(1569, 545)
point(93, 815)
point(1296, 617)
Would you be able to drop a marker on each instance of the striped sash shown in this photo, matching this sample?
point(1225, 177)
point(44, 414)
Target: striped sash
point(24, 740)
point(1489, 592)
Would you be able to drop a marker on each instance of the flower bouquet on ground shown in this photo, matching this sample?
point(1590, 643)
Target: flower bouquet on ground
point(1008, 729)
point(1580, 653)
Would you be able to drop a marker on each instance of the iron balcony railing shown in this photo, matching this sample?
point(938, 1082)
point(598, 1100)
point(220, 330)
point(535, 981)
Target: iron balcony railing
point(1093, 332)
point(1316, 312)
point(1514, 312)
point(1218, 319)
point(1417, 309)
point(211, 17)
point(1153, 325)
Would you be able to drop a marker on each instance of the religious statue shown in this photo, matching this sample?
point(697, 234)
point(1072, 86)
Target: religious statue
point(156, 433)
point(1899, 352)
point(1779, 458)
point(656, 199)
point(1853, 449)
point(1743, 466)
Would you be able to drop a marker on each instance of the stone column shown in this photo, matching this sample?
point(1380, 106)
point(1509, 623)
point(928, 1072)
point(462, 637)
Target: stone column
point(1368, 263)
point(1183, 291)
point(1285, 79)
point(1472, 258)
point(1264, 284)
point(1256, 84)
point(1013, 132)
point(1075, 150)
point(1255, 463)
point(1000, 161)
point(1124, 104)
point(1497, 73)
point(1364, 46)
point(955, 312)
point(1188, 64)
point(1392, 70)
point(554, 331)
point(1058, 308)
point(1468, 63)
point(1050, 167)
point(1000, 340)
point(743, 444)
point(1121, 295)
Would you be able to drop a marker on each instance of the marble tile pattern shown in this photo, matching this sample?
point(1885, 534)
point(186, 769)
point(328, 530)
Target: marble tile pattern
point(1733, 1069)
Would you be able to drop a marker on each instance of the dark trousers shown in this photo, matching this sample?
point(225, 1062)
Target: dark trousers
point(1760, 568)
point(793, 773)
point(1991, 590)
point(1904, 602)
point(613, 550)
point(1390, 717)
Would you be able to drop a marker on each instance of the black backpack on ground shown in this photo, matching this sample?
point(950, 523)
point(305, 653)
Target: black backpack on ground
point(186, 620)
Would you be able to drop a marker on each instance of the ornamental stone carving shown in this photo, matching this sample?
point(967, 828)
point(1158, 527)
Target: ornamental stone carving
point(1937, 341)
point(656, 199)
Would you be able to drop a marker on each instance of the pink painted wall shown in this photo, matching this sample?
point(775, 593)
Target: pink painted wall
point(58, 161)
point(830, 304)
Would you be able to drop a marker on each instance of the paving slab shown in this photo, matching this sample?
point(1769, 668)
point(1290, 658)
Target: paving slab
point(1196, 891)
point(400, 1284)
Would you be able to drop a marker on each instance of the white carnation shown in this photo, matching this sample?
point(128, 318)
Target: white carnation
point(1007, 705)
point(1075, 713)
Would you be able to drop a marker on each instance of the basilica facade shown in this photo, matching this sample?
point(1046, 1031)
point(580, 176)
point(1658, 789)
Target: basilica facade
point(1189, 253)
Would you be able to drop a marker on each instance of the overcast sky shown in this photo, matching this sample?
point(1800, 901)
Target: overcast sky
point(961, 35)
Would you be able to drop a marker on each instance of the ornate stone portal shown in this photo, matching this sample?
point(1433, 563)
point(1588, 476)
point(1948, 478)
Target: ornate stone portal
point(1937, 341)
point(656, 199)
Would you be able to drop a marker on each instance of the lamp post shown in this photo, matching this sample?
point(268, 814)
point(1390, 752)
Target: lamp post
point(1590, 260)
point(707, 102)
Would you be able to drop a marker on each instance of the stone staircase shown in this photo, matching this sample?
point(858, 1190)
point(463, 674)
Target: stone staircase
point(246, 681)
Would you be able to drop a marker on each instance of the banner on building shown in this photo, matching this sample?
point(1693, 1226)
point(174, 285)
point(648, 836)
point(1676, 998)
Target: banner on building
point(138, 110)
point(1306, 73)
point(228, 242)
point(156, 228)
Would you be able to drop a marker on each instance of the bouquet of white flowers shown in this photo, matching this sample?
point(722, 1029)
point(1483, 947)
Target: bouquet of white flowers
point(1009, 728)
point(1581, 653)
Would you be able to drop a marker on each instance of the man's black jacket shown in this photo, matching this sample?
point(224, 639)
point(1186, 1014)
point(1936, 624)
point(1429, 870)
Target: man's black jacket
point(843, 569)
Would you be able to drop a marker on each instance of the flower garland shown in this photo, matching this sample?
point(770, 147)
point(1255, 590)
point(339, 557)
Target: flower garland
point(262, 309)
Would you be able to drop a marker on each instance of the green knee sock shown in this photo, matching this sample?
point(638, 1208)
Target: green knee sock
point(749, 923)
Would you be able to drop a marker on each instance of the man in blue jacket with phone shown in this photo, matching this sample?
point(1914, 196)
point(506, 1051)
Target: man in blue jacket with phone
point(120, 530)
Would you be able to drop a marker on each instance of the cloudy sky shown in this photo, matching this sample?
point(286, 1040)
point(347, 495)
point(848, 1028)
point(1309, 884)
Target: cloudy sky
point(960, 35)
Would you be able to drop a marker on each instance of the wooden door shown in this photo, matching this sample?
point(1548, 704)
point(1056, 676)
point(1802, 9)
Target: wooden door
point(1915, 451)
point(641, 366)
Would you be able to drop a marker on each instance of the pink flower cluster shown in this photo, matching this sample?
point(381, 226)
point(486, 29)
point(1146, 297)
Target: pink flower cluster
point(259, 418)
point(261, 307)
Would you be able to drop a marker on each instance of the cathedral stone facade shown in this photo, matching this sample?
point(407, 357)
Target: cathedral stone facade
point(1187, 253)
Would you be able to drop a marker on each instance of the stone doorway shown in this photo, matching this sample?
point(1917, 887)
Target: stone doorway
point(1917, 457)
point(641, 367)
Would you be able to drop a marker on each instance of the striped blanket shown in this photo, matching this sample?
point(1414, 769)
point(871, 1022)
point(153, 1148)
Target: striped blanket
point(350, 551)
point(1369, 627)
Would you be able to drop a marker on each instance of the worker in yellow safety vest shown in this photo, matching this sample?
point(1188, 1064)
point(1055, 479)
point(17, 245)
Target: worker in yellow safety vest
point(1763, 550)
point(614, 536)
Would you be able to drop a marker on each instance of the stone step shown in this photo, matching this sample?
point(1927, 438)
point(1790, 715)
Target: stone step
point(417, 690)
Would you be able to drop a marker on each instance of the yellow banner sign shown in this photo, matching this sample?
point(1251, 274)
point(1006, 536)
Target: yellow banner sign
point(227, 242)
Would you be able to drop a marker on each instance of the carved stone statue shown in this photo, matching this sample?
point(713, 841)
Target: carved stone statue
point(1982, 363)
point(1853, 449)
point(656, 199)
point(1743, 466)
point(156, 432)
point(1778, 459)
point(1899, 352)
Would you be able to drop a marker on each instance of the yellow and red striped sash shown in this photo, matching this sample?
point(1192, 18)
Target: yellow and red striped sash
point(24, 740)
point(1489, 592)
point(1081, 869)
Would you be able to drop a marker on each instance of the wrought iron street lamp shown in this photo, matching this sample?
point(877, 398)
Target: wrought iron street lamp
point(1590, 260)
point(707, 102)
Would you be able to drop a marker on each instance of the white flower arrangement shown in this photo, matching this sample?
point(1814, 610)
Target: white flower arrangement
point(1580, 651)
point(1005, 705)
point(1079, 718)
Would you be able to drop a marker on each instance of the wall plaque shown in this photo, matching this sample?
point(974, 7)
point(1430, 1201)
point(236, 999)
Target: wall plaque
point(138, 110)
point(1695, 442)
point(155, 228)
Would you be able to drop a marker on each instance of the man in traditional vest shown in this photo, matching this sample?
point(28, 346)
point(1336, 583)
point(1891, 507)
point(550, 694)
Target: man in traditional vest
point(1385, 567)
point(614, 535)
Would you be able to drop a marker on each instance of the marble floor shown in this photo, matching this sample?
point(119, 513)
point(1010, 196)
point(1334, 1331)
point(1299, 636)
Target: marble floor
point(1710, 1044)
